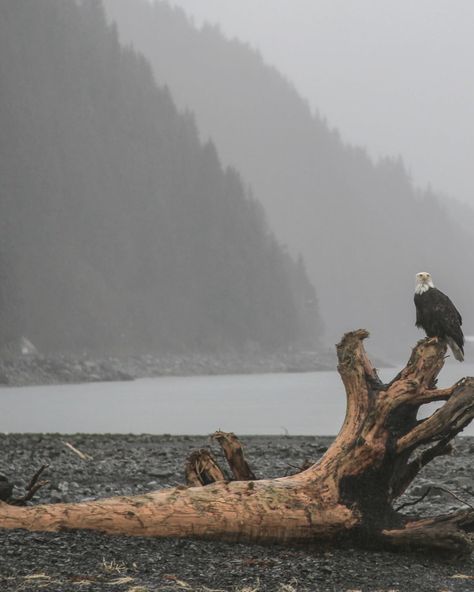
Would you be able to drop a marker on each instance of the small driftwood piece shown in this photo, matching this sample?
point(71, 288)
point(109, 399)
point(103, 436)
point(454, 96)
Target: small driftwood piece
point(6, 489)
point(82, 455)
point(234, 455)
point(348, 495)
point(202, 468)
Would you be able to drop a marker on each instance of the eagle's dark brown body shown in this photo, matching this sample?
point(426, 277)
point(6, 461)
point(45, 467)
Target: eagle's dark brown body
point(437, 315)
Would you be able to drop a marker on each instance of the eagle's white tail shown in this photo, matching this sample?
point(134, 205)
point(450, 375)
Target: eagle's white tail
point(457, 352)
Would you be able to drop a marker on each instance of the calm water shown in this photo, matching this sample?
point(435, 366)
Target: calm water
point(310, 403)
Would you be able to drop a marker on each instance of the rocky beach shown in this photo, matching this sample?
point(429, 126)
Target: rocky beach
point(129, 464)
point(26, 370)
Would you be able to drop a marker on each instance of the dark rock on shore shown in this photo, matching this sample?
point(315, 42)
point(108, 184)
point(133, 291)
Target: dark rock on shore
point(126, 464)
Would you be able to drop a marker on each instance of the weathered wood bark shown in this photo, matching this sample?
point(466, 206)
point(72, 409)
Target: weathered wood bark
point(348, 494)
point(202, 468)
point(234, 455)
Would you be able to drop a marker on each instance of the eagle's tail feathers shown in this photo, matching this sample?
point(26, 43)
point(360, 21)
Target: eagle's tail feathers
point(457, 351)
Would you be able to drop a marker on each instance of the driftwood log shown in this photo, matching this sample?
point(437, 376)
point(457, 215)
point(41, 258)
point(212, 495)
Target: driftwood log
point(347, 496)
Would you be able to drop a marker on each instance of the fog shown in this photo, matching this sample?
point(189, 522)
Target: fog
point(395, 77)
point(363, 225)
point(260, 186)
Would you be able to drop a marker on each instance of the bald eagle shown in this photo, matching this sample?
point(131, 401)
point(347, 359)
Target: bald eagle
point(437, 315)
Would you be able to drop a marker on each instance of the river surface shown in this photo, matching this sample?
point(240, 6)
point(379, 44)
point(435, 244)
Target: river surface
point(307, 403)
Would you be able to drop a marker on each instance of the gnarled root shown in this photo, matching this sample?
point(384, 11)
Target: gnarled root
point(444, 533)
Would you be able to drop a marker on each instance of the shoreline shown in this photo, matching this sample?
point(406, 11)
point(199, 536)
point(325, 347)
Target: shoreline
point(31, 370)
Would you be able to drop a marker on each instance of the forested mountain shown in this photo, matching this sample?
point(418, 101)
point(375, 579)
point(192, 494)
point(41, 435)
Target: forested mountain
point(120, 230)
point(363, 228)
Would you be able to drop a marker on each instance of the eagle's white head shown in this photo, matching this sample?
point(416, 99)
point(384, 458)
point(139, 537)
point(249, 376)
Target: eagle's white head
point(423, 282)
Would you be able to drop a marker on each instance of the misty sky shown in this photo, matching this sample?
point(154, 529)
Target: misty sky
point(395, 76)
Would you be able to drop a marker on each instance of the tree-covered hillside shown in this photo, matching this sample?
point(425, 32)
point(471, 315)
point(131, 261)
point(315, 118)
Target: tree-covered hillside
point(363, 228)
point(120, 230)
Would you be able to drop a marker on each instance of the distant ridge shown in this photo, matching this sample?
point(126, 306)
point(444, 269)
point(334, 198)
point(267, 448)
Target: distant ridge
point(363, 228)
point(120, 230)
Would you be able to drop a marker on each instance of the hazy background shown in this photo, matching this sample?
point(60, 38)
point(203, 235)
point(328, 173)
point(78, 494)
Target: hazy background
point(358, 214)
point(394, 76)
point(256, 186)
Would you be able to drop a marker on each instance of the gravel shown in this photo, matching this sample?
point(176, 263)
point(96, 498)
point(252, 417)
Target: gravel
point(128, 464)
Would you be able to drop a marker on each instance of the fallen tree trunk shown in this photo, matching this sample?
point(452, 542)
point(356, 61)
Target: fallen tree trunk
point(347, 495)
